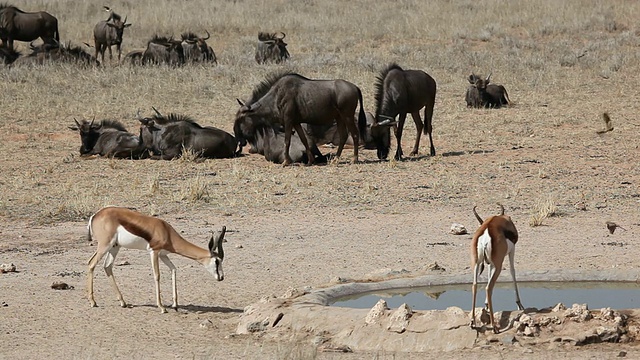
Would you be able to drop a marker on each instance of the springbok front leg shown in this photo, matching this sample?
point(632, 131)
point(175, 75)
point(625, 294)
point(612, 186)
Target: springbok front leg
point(156, 276)
point(108, 269)
point(419, 127)
point(166, 261)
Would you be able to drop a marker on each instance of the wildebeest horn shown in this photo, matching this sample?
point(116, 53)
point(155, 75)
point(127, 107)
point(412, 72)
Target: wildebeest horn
point(488, 77)
point(208, 35)
point(501, 209)
point(477, 216)
point(106, 8)
point(125, 20)
point(157, 112)
point(283, 35)
point(386, 122)
point(240, 102)
point(77, 123)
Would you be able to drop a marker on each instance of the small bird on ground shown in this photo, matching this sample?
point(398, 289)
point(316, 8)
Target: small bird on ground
point(612, 226)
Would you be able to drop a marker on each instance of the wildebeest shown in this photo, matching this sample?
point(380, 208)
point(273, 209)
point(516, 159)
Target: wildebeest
point(271, 48)
point(8, 56)
point(16, 24)
point(134, 57)
point(483, 94)
point(59, 53)
point(109, 32)
point(168, 136)
point(328, 135)
point(108, 138)
point(196, 49)
point(163, 50)
point(399, 92)
point(291, 99)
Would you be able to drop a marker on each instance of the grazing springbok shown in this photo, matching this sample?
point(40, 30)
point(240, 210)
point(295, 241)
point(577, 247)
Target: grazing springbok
point(493, 241)
point(115, 227)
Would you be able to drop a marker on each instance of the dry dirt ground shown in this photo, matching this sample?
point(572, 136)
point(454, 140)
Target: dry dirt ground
point(304, 226)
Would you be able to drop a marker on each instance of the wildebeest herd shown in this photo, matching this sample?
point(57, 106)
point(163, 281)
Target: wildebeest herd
point(286, 118)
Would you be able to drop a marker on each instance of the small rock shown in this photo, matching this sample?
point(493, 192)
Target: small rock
point(206, 324)
point(527, 351)
point(376, 312)
point(239, 246)
point(435, 267)
point(6, 268)
point(458, 229)
point(123, 263)
point(509, 340)
point(559, 307)
point(59, 285)
point(256, 326)
point(622, 354)
point(3, 304)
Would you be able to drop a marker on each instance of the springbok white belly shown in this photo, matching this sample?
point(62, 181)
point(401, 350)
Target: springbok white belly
point(128, 240)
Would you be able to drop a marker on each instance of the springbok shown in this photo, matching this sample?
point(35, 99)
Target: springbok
point(116, 227)
point(495, 238)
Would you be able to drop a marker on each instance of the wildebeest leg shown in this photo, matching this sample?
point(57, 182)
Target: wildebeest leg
point(419, 127)
point(401, 119)
point(305, 142)
point(119, 52)
point(428, 116)
point(355, 135)
point(287, 143)
point(110, 54)
point(342, 136)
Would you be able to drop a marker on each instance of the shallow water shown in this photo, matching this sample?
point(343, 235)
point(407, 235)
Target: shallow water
point(616, 295)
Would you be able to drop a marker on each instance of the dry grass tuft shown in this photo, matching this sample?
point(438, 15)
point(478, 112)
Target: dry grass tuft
point(543, 209)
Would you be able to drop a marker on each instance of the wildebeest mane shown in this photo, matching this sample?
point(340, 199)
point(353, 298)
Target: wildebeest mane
point(265, 85)
point(113, 124)
point(173, 118)
point(263, 36)
point(379, 85)
point(158, 39)
point(188, 35)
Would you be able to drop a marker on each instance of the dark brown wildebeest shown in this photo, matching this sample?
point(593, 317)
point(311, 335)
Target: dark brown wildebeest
point(398, 93)
point(8, 56)
point(109, 32)
point(196, 49)
point(108, 138)
point(267, 138)
point(271, 48)
point(329, 134)
point(59, 53)
point(163, 50)
point(16, 24)
point(134, 57)
point(168, 136)
point(291, 99)
point(483, 94)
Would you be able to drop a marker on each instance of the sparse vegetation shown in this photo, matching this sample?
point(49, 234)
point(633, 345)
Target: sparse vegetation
point(543, 209)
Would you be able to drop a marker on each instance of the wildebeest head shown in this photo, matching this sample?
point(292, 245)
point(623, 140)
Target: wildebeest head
point(271, 48)
point(479, 82)
point(196, 48)
point(89, 134)
point(116, 23)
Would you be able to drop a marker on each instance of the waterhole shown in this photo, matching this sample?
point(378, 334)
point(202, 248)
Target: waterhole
point(596, 294)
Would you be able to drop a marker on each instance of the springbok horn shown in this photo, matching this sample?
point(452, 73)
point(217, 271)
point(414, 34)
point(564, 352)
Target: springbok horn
point(208, 36)
point(501, 209)
point(477, 216)
point(157, 112)
point(220, 241)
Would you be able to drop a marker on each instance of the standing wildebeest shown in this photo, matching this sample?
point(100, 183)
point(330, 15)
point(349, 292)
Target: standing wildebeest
point(16, 24)
point(168, 136)
point(108, 138)
point(196, 49)
point(163, 50)
point(399, 92)
point(271, 48)
point(483, 94)
point(291, 99)
point(109, 32)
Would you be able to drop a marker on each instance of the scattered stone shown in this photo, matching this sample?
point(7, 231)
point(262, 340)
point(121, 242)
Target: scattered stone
point(59, 285)
point(509, 340)
point(3, 304)
point(559, 307)
point(622, 354)
point(239, 246)
point(376, 312)
point(123, 263)
point(607, 314)
point(206, 324)
point(256, 326)
point(458, 229)
point(435, 267)
point(527, 351)
point(578, 312)
point(339, 280)
point(292, 293)
point(399, 319)
point(6, 268)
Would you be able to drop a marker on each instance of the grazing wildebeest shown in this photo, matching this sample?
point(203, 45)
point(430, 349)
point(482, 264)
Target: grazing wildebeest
point(399, 92)
point(168, 136)
point(271, 48)
point(8, 56)
point(59, 53)
point(267, 138)
point(163, 50)
point(291, 99)
point(483, 94)
point(16, 24)
point(108, 138)
point(109, 32)
point(196, 49)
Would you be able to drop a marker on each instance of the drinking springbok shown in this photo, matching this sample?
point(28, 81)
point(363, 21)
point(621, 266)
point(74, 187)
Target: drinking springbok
point(116, 227)
point(492, 242)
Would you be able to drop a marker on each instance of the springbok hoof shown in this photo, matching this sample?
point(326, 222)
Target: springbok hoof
point(163, 310)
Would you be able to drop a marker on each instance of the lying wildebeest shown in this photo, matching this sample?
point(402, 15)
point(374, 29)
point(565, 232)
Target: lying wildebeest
point(59, 53)
point(108, 138)
point(196, 49)
point(267, 138)
point(330, 135)
point(168, 136)
point(8, 56)
point(483, 94)
point(134, 57)
point(163, 50)
point(16, 24)
point(399, 92)
point(109, 32)
point(271, 48)
point(291, 99)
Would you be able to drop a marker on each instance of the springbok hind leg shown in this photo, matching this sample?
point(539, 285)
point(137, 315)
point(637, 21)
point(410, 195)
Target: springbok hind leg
point(93, 261)
point(108, 269)
point(419, 127)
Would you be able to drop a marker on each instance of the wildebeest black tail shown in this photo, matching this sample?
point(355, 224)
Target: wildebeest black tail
point(362, 118)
